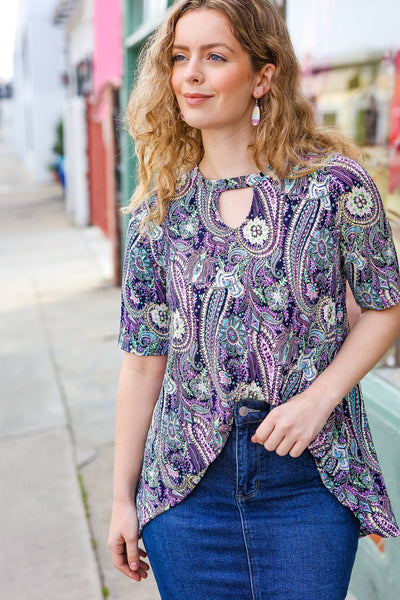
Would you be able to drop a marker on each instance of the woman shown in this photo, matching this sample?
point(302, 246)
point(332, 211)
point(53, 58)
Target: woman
point(240, 422)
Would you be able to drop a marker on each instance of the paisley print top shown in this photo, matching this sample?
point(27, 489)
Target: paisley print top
point(257, 311)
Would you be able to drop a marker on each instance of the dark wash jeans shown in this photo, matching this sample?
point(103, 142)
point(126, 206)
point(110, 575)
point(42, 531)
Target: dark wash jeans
point(257, 527)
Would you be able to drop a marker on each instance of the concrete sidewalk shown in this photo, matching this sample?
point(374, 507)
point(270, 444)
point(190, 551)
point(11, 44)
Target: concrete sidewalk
point(59, 371)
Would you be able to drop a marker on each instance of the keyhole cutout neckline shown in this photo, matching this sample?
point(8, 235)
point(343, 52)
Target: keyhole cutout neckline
point(216, 187)
point(234, 212)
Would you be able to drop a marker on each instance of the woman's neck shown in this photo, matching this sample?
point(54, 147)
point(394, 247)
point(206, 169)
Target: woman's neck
point(227, 154)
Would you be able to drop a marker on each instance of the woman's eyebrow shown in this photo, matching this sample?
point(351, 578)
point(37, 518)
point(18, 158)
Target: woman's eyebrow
point(204, 46)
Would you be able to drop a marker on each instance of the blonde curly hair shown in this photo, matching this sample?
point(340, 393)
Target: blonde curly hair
point(287, 136)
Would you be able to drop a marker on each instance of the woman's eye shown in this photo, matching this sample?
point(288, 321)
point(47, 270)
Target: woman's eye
point(217, 57)
point(178, 58)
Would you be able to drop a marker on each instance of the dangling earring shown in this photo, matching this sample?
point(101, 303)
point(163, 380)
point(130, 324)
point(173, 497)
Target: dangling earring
point(255, 117)
point(182, 116)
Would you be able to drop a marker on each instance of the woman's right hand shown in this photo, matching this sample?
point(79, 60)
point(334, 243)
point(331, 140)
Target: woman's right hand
point(123, 542)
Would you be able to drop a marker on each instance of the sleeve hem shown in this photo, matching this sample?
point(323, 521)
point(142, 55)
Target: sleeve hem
point(384, 304)
point(130, 345)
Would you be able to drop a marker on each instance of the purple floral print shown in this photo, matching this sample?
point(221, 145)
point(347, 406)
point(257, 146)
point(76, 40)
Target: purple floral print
point(257, 311)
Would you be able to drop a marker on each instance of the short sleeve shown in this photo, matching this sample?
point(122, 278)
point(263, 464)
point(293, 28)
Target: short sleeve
point(367, 249)
point(144, 310)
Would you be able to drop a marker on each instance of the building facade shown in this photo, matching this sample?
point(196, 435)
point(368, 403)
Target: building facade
point(76, 19)
point(39, 92)
point(93, 42)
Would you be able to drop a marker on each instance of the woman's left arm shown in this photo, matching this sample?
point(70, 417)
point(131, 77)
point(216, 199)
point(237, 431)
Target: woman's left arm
point(290, 427)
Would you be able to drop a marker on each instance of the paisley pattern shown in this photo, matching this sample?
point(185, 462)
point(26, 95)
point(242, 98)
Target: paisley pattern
point(257, 311)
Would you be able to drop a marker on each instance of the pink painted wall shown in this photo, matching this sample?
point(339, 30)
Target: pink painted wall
point(107, 60)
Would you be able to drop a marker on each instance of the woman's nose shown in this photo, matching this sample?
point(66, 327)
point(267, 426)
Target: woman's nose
point(193, 72)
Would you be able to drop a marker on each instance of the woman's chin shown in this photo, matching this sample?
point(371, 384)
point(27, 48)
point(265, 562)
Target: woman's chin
point(198, 122)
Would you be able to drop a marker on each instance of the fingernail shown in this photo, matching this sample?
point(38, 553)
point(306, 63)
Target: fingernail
point(134, 565)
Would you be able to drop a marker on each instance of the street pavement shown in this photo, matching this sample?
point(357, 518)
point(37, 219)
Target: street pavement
point(59, 366)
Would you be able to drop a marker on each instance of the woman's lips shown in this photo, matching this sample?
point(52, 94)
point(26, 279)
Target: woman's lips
point(194, 99)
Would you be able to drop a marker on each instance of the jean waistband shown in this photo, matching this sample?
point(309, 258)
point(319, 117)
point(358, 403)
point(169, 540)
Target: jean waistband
point(250, 411)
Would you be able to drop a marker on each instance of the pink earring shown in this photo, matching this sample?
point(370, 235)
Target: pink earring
point(255, 117)
point(182, 117)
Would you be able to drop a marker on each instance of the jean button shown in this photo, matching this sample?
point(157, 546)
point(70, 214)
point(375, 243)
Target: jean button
point(243, 411)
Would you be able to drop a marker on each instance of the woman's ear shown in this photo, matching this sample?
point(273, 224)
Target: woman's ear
point(263, 80)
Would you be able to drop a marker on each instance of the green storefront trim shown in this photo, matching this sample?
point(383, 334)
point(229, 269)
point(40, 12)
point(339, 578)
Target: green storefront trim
point(383, 398)
point(135, 33)
point(376, 574)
